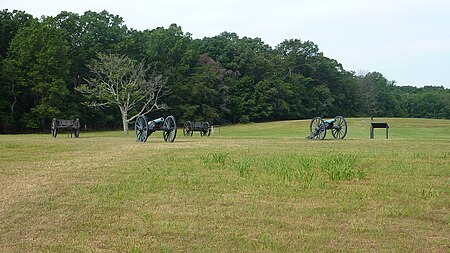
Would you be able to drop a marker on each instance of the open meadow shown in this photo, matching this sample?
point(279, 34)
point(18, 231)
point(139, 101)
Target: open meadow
point(249, 188)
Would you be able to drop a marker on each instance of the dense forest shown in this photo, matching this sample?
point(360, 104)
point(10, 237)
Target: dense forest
point(222, 79)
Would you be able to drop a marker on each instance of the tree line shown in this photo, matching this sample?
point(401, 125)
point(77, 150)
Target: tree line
point(221, 79)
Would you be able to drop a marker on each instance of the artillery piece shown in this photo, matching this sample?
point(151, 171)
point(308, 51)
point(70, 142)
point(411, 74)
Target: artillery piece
point(73, 126)
point(145, 128)
point(203, 127)
point(318, 128)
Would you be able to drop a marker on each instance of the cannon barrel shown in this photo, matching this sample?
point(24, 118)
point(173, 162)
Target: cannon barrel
point(158, 120)
point(154, 122)
point(330, 121)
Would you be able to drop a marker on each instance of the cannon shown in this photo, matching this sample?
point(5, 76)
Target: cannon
point(203, 127)
point(318, 128)
point(144, 128)
point(72, 125)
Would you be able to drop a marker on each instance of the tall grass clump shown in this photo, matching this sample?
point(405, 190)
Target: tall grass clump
point(215, 159)
point(340, 167)
point(243, 166)
point(283, 169)
point(293, 169)
point(279, 167)
point(306, 173)
point(219, 158)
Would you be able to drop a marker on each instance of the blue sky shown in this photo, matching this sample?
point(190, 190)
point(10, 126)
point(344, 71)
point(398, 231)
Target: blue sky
point(406, 40)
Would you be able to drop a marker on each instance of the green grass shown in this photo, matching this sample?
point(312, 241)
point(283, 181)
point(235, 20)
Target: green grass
point(250, 188)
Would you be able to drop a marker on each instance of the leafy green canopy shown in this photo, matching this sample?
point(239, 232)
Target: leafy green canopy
point(222, 79)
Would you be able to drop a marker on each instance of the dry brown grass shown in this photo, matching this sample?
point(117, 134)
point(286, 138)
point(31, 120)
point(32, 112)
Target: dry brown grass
point(106, 193)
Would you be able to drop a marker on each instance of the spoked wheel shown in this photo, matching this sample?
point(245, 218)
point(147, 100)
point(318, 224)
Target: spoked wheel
point(141, 128)
point(339, 129)
point(77, 128)
point(170, 132)
point(53, 129)
point(317, 129)
point(187, 129)
point(77, 133)
point(206, 130)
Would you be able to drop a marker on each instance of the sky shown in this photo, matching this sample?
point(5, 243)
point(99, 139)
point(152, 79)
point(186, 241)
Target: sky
point(408, 41)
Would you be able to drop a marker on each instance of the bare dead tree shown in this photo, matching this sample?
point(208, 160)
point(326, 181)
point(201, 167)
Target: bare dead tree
point(121, 81)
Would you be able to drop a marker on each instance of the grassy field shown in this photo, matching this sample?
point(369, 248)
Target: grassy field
point(250, 188)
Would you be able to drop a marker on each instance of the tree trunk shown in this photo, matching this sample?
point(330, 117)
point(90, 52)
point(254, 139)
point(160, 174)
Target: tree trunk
point(124, 120)
point(125, 126)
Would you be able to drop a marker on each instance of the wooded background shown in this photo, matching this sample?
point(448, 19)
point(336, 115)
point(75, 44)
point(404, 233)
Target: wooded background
point(221, 79)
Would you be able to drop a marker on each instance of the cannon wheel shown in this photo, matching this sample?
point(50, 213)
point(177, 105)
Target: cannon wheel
point(53, 129)
point(77, 128)
point(77, 132)
point(339, 129)
point(206, 130)
point(318, 127)
point(170, 125)
point(187, 129)
point(141, 128)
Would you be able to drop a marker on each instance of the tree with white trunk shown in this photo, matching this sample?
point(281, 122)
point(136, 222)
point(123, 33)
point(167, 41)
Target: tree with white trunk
point(122, 82)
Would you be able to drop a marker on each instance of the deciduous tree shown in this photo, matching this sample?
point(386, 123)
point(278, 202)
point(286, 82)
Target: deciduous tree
point(39, 65)
point(123, 82)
